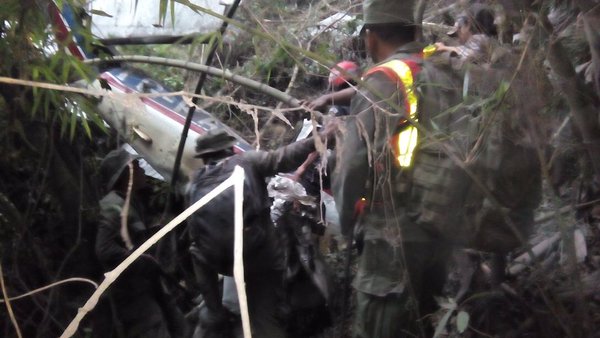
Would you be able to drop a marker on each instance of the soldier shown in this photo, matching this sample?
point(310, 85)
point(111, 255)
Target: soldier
point(475, 30)
point(211, 230)
point(341, 86)
point(142, 307)
point(402, 266)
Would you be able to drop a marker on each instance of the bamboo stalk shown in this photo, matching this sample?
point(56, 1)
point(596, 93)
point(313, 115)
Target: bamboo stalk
point(125, 212)
point(9, 309)
point(238, 249)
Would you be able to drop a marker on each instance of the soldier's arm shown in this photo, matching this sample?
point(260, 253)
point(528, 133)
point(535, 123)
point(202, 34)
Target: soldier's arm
point(282, 160)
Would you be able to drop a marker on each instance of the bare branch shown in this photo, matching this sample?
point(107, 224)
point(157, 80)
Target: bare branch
point(43, 288)
point(125, 212)
point(238, 249)
point(8, 307)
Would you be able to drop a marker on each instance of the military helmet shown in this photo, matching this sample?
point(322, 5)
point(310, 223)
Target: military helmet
point(213, 141)
point(113, 164)
point(388, 11)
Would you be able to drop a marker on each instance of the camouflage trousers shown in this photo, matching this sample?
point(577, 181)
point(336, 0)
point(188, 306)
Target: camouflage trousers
point(403, 313)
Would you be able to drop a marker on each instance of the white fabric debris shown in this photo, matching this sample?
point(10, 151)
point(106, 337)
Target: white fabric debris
point(284, 189)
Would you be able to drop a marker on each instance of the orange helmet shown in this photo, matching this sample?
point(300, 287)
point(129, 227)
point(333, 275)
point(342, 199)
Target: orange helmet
point(337, 79)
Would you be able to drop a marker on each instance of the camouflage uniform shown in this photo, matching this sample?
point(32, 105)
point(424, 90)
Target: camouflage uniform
point(403, 264)
point(142, 309)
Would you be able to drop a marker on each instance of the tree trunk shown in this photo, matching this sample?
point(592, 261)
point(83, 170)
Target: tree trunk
point(419, 13)
point(591, 21)
point(582, 109)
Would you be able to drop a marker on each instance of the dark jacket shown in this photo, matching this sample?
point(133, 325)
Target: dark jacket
point(137, 295)
point(211, 227)
point(110, 248)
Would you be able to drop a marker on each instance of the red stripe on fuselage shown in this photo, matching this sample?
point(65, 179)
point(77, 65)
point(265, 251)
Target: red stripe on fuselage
point(115, 82)
point(62, 31)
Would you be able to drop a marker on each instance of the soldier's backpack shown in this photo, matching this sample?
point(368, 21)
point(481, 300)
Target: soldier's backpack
point(476, 175)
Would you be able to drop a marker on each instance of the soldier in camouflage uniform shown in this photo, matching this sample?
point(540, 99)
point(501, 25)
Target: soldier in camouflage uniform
point(142, 307)
point(402, 265)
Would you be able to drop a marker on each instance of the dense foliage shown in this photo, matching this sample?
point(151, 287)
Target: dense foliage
point(51, 142)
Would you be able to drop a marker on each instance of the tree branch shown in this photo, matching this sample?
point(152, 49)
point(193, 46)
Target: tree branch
point(224, 73)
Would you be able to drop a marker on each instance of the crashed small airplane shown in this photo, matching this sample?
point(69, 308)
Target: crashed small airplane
point(151, 125)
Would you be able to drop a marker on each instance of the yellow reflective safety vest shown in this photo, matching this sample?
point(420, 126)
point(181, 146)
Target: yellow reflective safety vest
point(404, 71)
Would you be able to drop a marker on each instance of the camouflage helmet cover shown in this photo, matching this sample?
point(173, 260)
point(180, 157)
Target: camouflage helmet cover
point(388, 11)
point(213, 141)
point(113, 164)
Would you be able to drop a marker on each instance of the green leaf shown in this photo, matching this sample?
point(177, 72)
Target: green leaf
point(35, 73)
point(66, 69)
point(102, 13)
point(162, 12)
point(214, 38)
point(37, 99)
point(37, 93)
point(91, 114)
point(81, 69)
point(54, 61)
point(462, 321)
point(64, 123)
point(502, 89)
point(86, 127)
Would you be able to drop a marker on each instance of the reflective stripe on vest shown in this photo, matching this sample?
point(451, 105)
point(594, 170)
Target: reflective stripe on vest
point(403, 143)
point(429, 51)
